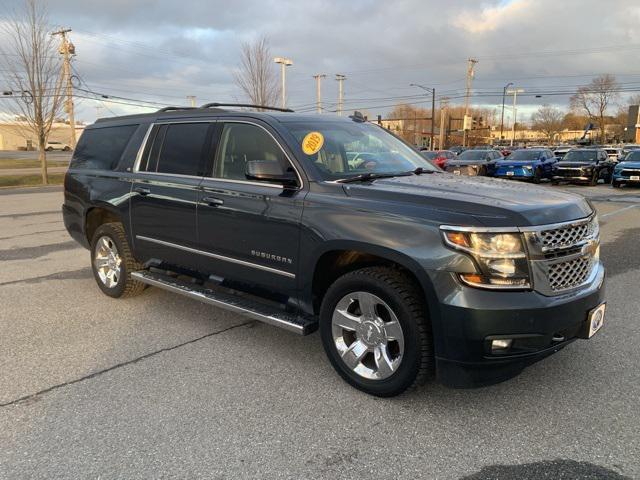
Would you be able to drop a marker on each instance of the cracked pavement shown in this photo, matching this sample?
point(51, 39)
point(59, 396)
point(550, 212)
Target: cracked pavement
point(159, 386)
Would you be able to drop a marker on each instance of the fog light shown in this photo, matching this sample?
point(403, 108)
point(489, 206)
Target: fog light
point(501, 344)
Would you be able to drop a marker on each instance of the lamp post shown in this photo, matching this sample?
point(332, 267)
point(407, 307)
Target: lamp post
point(433, 109)
point(284, 63)
point(515, 93)
point(504, 92)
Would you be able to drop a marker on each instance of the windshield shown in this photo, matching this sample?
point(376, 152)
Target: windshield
point(633, 156)
point(345, 149)
point(473, 155)
point(525, 155)
point(581, 156)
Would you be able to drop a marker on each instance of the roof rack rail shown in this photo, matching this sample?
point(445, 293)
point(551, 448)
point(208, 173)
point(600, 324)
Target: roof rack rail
point(245, 105)
point(171, 109)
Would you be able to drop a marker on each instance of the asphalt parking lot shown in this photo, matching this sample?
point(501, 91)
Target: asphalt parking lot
point(159, 386)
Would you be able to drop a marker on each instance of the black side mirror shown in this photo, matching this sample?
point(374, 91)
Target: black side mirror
point(270, 171)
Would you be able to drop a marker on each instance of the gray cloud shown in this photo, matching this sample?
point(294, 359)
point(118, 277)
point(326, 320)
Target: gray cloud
point(165, 50)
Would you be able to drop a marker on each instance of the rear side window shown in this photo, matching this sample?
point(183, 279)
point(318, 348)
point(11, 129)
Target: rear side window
point(178, 149)
point(101, 148)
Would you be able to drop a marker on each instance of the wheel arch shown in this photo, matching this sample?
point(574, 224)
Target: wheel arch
point(340, 257)
point(97, 215)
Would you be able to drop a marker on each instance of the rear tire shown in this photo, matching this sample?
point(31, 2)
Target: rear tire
point(376, 331)
point(112, 262)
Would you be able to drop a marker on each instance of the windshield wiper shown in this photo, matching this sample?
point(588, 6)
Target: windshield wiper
point(421, 170)
point(365, 177)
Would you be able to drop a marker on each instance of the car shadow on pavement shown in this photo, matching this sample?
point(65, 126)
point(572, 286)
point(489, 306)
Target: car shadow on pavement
point(554, 469)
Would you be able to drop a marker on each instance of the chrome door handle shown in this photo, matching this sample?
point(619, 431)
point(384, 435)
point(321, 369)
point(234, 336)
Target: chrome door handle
point(213, 201)
point(142, 190)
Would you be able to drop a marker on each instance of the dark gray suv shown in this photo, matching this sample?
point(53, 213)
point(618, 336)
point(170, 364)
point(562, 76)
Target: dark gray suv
point(305, 221)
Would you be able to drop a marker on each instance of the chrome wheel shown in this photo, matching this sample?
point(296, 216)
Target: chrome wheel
point(367, 335)
point(107, 262)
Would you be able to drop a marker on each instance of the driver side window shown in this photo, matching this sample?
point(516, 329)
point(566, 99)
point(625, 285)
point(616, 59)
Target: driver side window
point(241, 143)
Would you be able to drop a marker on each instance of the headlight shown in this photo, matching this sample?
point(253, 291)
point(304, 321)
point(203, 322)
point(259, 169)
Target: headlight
point(528, 167)
point(501, 258)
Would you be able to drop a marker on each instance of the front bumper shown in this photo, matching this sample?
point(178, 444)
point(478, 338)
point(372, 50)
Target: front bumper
point(572, 175)
point(516, 171)
point(624, 179)
point(540, 325)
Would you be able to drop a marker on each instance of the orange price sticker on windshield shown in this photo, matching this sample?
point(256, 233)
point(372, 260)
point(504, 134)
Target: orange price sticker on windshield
point(312, 143)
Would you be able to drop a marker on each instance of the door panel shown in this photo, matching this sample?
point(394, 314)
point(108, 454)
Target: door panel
point(164, 209)
point(253, 232)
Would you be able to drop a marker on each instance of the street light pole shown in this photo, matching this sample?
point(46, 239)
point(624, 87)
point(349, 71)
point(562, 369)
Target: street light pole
point(515, 93)
point(284, 63)
point(433, 109)
point(340, 79)
point(504, 92)
point(318, 79)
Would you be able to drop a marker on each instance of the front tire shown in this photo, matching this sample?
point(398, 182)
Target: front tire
point(112, 262)
point(376, 331)
point(537, 176)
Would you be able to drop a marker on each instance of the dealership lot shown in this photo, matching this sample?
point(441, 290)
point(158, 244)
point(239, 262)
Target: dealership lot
point(161, 386)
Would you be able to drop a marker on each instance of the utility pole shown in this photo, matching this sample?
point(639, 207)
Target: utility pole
point(444, 105)
point(340, 78)
point(504, 92)
point(284, 63)
point(466, 124)
point(515, 93)
point(66, 50)
point(192, 99)
point(433, 117)
point(319, 78)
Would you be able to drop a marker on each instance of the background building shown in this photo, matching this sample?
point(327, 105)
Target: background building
point(16, 135)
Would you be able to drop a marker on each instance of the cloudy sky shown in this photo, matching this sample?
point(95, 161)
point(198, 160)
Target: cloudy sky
point(161, 51)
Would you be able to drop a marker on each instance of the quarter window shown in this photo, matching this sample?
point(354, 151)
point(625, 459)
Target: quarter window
point(241, 143)
point(101, 148)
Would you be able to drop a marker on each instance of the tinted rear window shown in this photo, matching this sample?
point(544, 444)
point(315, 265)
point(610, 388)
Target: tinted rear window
point(101, 148)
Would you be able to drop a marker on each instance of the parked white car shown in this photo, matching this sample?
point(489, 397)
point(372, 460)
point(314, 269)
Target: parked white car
point(63, 147)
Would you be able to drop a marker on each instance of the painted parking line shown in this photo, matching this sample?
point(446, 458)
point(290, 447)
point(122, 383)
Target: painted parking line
point(620, 210)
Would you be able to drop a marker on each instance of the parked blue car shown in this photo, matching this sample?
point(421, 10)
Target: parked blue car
point(628, 170)
point(532, 164)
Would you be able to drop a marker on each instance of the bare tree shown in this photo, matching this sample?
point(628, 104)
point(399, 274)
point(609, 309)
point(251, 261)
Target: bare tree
point(256, 75)
point(32, 72)
point(548, 120)
point(595, 98)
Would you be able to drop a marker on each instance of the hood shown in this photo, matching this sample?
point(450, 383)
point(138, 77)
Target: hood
point(464, 163)
point(575, 164)
point(492, 202)
point(634, 164)
point(516, 163)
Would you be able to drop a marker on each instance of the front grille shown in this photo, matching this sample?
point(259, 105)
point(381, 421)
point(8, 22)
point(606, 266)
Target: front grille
point(565, 237)
point(569, 172)
point(563, 256)
point(566, 275)
point(628, 173)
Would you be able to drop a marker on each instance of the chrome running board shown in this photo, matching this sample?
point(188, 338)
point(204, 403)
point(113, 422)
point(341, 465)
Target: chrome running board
point(299, 324)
